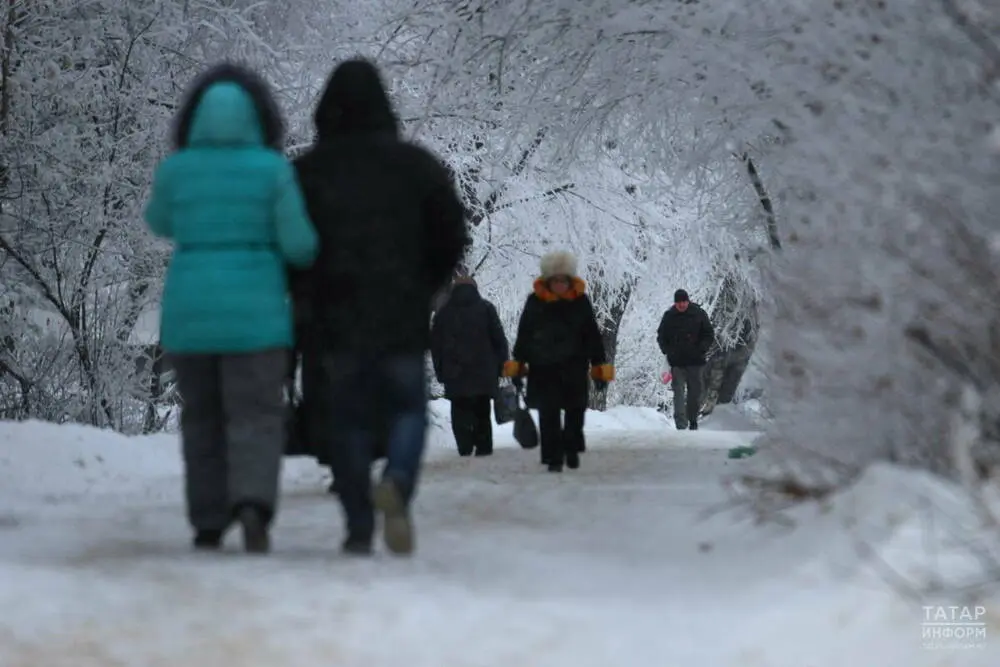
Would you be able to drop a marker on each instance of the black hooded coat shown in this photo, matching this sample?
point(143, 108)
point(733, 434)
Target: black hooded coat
point(391, 225)
point(468, 345)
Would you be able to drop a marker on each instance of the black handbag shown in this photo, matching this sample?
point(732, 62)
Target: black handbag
point(525, 431)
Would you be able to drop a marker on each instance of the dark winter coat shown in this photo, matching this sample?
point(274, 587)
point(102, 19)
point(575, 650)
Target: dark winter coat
point(391, 225)
point(468, 345)
point(558, 338)
point(310, 432)
point(685, 337)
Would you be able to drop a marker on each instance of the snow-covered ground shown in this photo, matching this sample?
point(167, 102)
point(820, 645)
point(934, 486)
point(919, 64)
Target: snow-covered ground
point(619, 563)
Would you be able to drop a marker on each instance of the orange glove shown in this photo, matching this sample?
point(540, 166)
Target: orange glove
point(603, 373)
point(513, 369)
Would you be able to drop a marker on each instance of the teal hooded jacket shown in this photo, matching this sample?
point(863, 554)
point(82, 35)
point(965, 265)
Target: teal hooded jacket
point(234, 210)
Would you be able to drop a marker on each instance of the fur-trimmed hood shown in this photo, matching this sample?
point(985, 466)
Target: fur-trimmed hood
point(268, 115)
point(355, 101)
point(560, 263)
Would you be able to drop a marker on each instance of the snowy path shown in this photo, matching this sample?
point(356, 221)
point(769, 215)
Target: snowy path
point(609, 565)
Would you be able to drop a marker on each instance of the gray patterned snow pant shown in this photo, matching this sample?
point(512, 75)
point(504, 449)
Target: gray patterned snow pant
point(233, 428)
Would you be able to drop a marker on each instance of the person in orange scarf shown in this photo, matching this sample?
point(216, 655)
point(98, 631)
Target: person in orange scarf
point(558, 340)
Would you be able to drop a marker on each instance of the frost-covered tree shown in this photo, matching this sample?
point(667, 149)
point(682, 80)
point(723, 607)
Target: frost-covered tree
point(549, 88)
point(88, 93)
point(881, 319)
point(872, 124)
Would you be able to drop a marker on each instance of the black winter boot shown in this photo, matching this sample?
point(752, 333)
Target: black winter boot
point(693, 425)
point(208, 540)
point(573, 460)
point(357, 546)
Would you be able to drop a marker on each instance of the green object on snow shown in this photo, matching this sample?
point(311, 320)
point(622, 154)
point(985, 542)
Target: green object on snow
point(742, 452)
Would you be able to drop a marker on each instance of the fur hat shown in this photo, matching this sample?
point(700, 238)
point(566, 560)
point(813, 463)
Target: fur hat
point(559, 263)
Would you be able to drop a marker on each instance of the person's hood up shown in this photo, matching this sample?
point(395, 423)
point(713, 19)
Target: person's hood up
point(229, 105)
point(463, 293)
point(355, 101)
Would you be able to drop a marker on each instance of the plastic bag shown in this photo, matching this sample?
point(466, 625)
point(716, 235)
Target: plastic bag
point(666, 375)
point(505, 404)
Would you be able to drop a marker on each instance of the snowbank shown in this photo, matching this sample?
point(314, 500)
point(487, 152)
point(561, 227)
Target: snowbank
point(66, 460)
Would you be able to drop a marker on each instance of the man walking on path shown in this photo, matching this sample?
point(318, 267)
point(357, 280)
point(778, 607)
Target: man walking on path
point(392, 230)
point(468, 347)
point(685, 335)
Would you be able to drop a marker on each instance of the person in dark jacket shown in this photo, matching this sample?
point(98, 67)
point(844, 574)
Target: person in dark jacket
point(229, 200)
point(557, 339)
point(685, 336)
point(469, 348)
point(392, 230)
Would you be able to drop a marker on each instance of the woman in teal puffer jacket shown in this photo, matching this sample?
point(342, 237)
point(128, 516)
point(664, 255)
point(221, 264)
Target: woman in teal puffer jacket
point(230, 202)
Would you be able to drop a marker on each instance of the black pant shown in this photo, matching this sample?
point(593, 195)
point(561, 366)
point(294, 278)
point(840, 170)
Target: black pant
point(561, 433)
point(472, 424)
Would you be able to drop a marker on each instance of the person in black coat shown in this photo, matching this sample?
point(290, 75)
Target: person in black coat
point(685, 336)
point(469, 348)
point(392, 231)
point(557, 340)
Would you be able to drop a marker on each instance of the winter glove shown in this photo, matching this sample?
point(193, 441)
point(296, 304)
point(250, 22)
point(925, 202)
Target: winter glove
point(514, 369)
point(604, 373)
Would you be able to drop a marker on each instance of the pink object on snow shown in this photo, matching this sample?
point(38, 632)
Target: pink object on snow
point(667, 377)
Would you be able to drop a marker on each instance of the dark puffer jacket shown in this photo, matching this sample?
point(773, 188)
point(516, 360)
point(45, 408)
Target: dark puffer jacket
point(685, 337)
point(391, 225)
point(558, 338)
point(468, 344)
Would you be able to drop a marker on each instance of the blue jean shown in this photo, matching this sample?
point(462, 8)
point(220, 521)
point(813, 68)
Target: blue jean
point(360, 392)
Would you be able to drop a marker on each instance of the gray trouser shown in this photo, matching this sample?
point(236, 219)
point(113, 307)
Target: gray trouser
point(686, 385)
point(233, 429)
